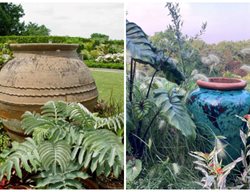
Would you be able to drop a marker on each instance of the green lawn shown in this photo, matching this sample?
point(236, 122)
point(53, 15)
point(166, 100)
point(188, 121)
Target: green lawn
point(110, 83)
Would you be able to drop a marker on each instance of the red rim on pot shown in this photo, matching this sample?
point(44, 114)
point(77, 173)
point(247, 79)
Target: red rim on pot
point(222, 83)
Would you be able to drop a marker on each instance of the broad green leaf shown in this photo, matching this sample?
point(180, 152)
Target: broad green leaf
point(143, 51)
point(174, 111)
point(67, 179)
point(133, 168)
point(138, 45)
point(55, 154)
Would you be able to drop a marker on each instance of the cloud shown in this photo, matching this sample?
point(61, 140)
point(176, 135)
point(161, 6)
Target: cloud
point(78, 19)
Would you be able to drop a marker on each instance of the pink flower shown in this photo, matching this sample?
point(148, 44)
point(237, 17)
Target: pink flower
point(219, 171)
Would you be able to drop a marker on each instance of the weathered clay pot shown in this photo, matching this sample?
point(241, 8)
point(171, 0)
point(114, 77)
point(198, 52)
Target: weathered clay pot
point(214, 106)
point(40, 73)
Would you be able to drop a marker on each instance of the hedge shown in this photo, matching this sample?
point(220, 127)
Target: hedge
point(94, 64)
point(53, 39)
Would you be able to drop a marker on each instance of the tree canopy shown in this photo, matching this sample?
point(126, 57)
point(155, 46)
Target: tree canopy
point(100, 37)
point(10, 24)
point(35, 29)
point(10, 15)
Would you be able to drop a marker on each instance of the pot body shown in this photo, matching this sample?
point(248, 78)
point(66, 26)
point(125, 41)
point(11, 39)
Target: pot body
point(214, 114)
point(40, 73)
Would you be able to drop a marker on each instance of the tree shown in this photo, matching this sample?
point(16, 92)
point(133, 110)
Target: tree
point(99, 37)
point(10, 15)
point(35, 29)
point(10, 23)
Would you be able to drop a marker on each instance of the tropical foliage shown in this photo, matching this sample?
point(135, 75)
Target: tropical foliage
point(165, 149)
point(143, 104)
point(65, 139)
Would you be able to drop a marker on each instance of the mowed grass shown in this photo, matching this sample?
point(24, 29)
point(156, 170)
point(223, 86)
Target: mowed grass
point(109, 84)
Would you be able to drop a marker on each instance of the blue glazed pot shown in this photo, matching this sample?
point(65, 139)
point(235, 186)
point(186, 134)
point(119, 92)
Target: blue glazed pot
point(213, 107)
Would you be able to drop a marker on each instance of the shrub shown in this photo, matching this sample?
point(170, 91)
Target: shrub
point(85, 54)
point(232, 65)
point(95, 53)
point(115, 48)
point(66, 139)
point(88, 45)
point(5, 53)
point(111, 58)
point(240, 72)
point(94, 64)
point(85, 43)
point(4, 139)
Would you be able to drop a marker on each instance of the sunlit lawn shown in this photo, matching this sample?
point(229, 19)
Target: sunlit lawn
point(110, 83)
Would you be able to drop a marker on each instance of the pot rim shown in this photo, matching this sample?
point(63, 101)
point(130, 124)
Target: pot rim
point(222, 83)
point(43, 47)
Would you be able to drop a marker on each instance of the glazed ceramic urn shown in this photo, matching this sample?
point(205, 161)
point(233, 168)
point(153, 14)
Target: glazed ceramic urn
point(214, 106)
point(39, 73)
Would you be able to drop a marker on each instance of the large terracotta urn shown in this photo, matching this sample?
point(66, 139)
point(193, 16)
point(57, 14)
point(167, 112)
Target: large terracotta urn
point(214, 106)
point(40, 73)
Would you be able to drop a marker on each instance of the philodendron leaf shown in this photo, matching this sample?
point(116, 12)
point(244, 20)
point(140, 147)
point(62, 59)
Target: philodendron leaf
point(143, 51)
point(175, 112)
point(138, 45)
point(133, 169)
point(169, 68)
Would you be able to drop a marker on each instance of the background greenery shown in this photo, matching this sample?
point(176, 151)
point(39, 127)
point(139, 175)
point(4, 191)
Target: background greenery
point(11, 25)
point(98, 50)
point(89, 48)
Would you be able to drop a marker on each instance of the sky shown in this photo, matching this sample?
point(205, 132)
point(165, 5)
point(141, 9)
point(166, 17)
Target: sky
point(225, 21)
point(77, 19)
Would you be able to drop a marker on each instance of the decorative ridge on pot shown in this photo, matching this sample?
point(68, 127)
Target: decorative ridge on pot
point(222, 83)
point(43, 47)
